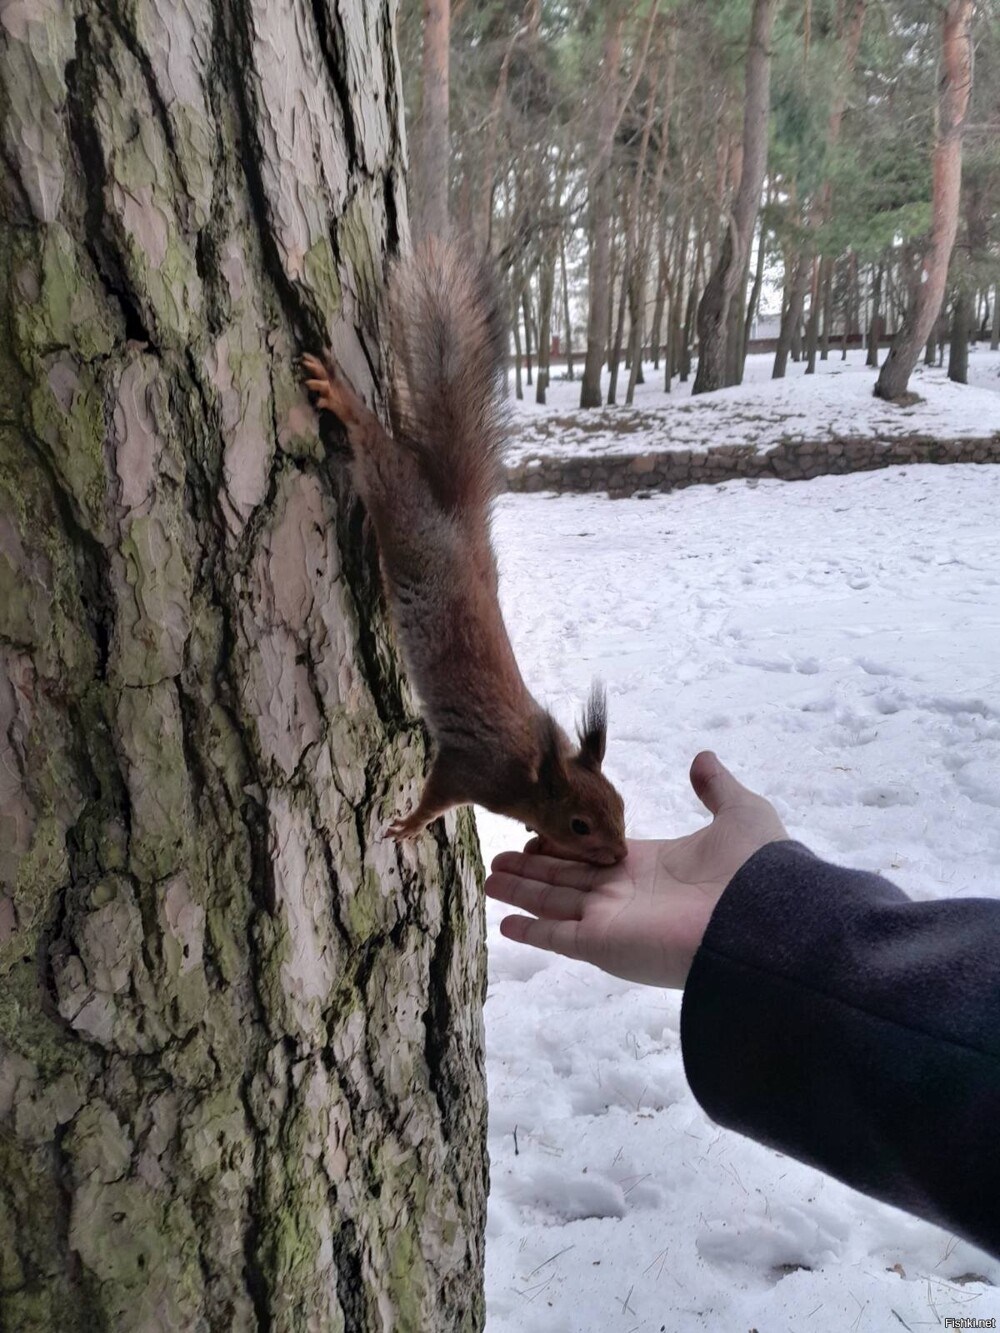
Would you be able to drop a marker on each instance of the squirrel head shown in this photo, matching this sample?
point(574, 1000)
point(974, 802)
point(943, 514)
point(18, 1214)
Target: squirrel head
point(579, 814)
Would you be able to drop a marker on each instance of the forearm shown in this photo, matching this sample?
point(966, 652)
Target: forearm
point(828, 1015)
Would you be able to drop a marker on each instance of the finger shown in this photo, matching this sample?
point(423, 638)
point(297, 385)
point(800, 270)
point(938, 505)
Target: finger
point(548, 869)
point(562, 937)
point(714, 785)
point(551, 901)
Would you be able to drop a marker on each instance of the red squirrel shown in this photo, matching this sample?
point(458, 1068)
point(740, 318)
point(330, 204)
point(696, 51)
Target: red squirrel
point(429, 486)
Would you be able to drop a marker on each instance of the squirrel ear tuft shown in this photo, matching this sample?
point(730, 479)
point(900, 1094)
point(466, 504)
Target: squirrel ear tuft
point(593, 730)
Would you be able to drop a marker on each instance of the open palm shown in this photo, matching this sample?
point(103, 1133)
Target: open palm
point(644, 918)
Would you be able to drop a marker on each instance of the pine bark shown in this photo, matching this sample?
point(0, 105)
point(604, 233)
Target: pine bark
point(241, 1075)
point(713, 311)
point(955, 88)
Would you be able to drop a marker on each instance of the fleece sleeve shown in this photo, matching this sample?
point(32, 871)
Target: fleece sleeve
point(831, 1017)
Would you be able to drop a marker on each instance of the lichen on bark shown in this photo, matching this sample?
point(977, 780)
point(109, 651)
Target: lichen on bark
point(240, 1034)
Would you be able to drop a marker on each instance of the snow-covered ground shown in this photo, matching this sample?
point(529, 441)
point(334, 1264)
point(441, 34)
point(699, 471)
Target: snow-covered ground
point(836, 401)
point(837, 642)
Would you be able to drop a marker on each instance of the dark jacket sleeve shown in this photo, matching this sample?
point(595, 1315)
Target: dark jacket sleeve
point(828, 1015)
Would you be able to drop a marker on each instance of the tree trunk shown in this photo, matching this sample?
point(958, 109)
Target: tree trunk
point(958, 347)
point(675, 305)
point(689, 317)
point(601, 188)
point(824, 337)
point(955, 85)
point(546, 293)
point(516, 329)
point(812, 327)
point(754, 301)
point(566, 315)
point(734, 334)
point(791, 317)
point(615, 354)
point(241, 1079)
point(528, 343)
point(433, 153)
point(659, 304)
point(713, 312)
point(875, 326)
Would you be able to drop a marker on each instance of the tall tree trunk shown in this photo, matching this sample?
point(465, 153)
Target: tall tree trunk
point(824, 337)
point(754, 301)
point(516, 330)
point(955, 87)
point(995, 326)
point(483, 227)
point(689, 317)
point(791, 317)
point(546, 292)
point(241, 1080)
point(875, 326)
point(735, 332)
point(611, 106)
point(635, 351)
point(675, 292)
point(713, 312)
point(958, 347)
point(528, 325)
point(819, 281)
point(659, 303)
point(432, 165)
point(615, 354)
point(851, 18)
point(566, 315)
point(601, 196)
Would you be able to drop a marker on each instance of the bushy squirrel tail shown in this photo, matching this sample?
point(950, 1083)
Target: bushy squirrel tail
point(449, 346)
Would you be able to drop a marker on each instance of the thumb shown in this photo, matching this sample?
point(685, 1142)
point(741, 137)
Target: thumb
point(713, 783)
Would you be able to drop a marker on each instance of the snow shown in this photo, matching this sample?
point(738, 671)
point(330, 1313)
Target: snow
point(836, 642)
point(835, 402)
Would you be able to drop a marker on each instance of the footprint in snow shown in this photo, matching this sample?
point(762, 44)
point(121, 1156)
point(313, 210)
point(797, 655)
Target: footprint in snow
point(563, 1198)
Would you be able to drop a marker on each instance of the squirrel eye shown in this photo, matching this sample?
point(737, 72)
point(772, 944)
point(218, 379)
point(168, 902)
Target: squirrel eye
point(580, 826)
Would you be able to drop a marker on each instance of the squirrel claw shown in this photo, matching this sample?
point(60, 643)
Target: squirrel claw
point(404, 830)
point(333, 392)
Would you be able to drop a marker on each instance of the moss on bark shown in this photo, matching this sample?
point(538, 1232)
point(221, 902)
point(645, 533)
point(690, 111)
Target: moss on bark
point(240, 1035)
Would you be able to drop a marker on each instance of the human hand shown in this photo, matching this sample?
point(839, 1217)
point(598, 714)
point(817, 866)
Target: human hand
point(642, 919)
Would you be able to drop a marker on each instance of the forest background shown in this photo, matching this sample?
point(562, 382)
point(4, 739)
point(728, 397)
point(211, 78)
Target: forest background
point(626, 162)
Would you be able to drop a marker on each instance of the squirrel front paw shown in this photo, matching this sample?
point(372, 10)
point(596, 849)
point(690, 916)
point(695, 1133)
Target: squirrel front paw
point(332, 390)
point(403, 830)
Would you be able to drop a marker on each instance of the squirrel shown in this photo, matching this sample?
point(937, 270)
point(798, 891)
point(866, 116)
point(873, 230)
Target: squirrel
point(428, 486)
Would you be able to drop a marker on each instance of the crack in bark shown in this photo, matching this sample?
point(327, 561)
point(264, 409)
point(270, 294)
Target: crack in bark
point(254, 1272)
point(333, 48)
point(305, 320)
point(81, 96)
point(130, 40)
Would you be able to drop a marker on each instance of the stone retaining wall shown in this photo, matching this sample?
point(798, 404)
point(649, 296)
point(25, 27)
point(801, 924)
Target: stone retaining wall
point(622, 475)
